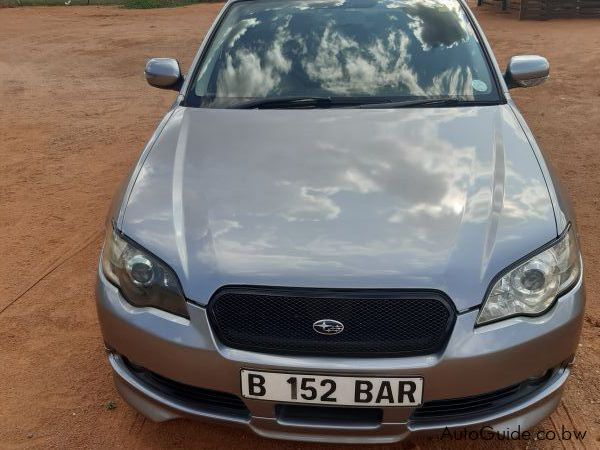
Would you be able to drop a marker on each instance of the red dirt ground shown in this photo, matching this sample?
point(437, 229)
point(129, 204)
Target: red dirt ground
point(75, 113)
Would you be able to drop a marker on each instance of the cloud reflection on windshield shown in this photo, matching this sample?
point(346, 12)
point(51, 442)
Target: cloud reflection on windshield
point(326, 48)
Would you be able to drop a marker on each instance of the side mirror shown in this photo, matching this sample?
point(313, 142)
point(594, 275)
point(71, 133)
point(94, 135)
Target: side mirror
point(526, 71)
point(163, 73)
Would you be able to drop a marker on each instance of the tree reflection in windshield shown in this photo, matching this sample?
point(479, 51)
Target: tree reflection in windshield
point(396, 49)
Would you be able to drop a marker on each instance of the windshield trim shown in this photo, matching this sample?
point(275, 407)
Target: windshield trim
point(207, 42)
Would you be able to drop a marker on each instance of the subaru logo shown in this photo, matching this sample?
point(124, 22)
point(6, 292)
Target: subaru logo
point(328, 326)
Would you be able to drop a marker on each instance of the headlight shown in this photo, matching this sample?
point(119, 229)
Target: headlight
point(141, 277)
point(531, 288)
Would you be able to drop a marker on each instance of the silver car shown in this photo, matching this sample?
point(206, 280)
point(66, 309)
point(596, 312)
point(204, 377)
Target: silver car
point(343, 231)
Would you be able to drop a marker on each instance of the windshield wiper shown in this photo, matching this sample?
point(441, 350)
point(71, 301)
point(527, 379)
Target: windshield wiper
point(316, 102)
point(452, 101)
point(283, 102)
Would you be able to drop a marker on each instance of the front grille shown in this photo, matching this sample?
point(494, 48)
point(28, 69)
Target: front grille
point(198, 398)
point(463, 408)
point(376, 322)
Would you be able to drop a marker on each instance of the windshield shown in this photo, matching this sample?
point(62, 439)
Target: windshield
point(363, 50)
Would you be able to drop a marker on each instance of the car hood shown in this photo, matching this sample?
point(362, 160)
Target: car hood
point(436, 198)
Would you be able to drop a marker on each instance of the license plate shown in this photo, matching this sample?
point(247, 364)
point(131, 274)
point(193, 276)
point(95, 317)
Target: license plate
point(331, 390)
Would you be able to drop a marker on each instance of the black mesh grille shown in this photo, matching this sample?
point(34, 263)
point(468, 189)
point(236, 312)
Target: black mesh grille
point(375, 322)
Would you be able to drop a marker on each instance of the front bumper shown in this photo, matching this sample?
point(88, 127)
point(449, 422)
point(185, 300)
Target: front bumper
point(475, 361)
